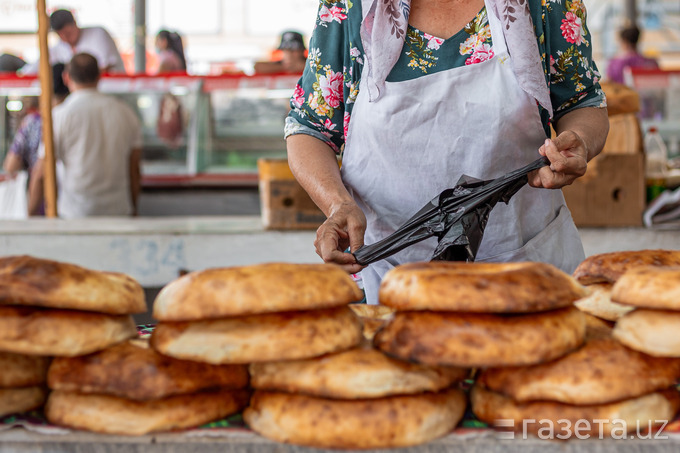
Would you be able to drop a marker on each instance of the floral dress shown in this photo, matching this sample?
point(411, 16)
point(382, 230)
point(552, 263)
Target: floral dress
point(323, 98)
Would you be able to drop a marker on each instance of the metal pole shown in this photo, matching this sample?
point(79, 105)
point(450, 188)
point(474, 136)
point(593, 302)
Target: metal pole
point(631, 12)
point(46, 112)
point(140, 36)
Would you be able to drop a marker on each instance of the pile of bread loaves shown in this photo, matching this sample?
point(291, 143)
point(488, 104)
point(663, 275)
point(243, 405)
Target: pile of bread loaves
point(284, 345)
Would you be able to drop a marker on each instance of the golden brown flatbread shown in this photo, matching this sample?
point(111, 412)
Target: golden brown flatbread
point(482, 340)
point(601, 371)
point(67, 333)
point(626, 415)
point(649, 287)
point(396, 421)
point(608, 267)
point(257, 289)
point(260, 338)
point(599, 303)
point(654, 332)
point(133, 370)
point(114, 415)
point(44, 283)
point(18, 400)
point(20, 370)
point(361, 372)
point(479, 287)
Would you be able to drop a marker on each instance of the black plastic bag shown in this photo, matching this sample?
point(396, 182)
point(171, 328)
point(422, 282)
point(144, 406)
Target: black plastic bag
point(457, 217)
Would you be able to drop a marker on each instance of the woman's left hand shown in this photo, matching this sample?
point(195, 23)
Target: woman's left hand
point(568, 157)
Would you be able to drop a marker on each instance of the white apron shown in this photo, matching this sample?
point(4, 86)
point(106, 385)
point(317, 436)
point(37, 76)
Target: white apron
point(422, 134)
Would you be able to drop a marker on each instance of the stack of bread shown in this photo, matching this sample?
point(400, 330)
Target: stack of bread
point(480, 314)
point(653, 326)
point(50, 308)
point(355, 399)
point(602, 388)
point(130, 389)
point(600, 272)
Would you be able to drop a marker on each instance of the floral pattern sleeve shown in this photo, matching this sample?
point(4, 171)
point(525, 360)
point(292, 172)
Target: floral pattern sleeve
point(323, 98)
point(567, 56)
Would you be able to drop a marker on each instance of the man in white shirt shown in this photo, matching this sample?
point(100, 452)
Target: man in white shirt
point(98, 139)
point(95, 41)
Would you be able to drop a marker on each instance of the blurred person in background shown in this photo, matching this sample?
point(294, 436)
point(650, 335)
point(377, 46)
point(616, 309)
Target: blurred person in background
point(293, 56)
point(95, 41)
point(629, 57)
point(170, 52)
point(10, 63)
point(23, 152)
point(98, 139)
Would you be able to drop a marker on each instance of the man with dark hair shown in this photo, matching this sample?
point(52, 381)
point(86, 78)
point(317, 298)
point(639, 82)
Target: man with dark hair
point(293, 56)
point(98, 138)
point(95, 41)
point(630, 57)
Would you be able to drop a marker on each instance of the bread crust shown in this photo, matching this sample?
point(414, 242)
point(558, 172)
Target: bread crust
point(260, 338)
point(396, 421)
point(20, 370)
point(18, 400)
point(479, 287)
point(39, 282)
point(134, 371)
point(599, 303)
point(490, 407)
point(256, 289)
point(67, 333)
point(362, 372)
point(654, 332)
point(114, 415)
point(649, 287)
point(373, 317)
point(482, 340)
point(608, 267)
point(602, 371)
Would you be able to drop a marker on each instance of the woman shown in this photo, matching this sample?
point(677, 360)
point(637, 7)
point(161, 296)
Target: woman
point(170, 52)
point(629, 56)
point(420, 92)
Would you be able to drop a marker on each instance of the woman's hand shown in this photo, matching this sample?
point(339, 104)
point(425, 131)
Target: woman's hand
point(344, 227)
point(568, 157)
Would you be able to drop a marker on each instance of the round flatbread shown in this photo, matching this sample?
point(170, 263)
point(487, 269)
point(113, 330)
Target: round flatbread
point(479, 287)
point(18, 400)
point(599, 303)
point(374, 317)
point(114, 415)
point(482, 340)
point(602, 371)
point(247, 290)
point(133, 370)
point(626, 415)
point(260, 338)
point(20, 370)
point(395, 421)
point(361, 372)
point(67, 333)
point(608, 267)
point(654, 332)
point(649, 287)
point(44, 283)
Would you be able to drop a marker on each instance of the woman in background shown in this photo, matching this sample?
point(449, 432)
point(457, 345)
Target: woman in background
point(170, 52)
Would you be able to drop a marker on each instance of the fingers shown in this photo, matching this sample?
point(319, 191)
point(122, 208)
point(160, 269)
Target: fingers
point(568, 161)
point(344, 228)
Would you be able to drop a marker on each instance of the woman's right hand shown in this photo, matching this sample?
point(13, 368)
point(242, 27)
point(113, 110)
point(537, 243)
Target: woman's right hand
point(344, 227)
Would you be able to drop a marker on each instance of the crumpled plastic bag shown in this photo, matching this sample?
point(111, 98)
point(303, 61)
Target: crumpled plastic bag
point(457, 217)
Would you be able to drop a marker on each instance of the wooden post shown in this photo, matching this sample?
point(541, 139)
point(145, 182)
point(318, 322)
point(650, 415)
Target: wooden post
point(46, 112)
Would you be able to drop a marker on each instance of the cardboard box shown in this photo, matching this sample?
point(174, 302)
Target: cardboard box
point(612, 192)
point(284, 203)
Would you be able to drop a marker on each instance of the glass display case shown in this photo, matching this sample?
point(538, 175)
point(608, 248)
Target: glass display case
point(197, 130)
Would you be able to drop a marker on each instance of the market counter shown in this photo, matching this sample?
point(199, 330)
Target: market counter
point(19, 440)
point(154, 250)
